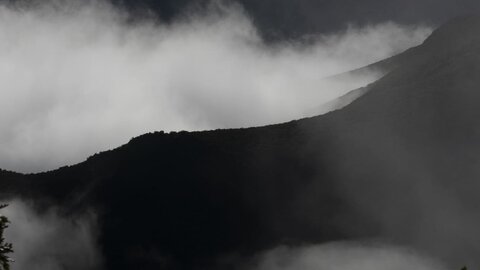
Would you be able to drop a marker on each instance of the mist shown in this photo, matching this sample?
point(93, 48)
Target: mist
point(346, 256)
point(81, 78)
point(49, 240)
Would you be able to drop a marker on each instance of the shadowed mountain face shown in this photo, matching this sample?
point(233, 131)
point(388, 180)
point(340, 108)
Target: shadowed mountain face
point(401, 164)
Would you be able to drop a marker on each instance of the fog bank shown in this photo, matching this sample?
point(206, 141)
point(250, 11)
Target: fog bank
point(51, 241)
point(346, 256)
point(79, 78)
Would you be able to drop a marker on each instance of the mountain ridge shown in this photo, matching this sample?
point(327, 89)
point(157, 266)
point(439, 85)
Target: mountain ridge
point(405, 152)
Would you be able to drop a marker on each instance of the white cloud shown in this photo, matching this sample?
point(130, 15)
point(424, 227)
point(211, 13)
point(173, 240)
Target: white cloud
point(79, 79)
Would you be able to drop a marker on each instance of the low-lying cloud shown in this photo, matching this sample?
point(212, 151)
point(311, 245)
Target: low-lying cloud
point(346, 256)
point(51, 241)
point(80, 78)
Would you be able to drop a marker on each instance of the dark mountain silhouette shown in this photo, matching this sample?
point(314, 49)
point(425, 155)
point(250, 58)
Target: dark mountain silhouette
point(400, 163)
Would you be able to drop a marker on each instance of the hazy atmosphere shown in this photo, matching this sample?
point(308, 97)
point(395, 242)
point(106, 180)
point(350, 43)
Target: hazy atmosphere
point(82, 76)
point(49, 240)
point(243, 135)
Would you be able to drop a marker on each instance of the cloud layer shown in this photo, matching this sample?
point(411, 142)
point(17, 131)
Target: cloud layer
point(79, 78)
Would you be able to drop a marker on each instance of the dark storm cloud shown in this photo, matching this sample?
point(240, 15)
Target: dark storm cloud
point(279, 19)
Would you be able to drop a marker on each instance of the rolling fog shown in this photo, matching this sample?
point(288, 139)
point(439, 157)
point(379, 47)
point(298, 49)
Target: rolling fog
point(50, 240)
point(79, 78)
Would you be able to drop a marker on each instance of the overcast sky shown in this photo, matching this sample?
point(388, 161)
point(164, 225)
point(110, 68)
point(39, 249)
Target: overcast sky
point(279, 19)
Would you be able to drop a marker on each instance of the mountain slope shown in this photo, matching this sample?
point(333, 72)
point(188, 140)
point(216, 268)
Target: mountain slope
point(400, 163)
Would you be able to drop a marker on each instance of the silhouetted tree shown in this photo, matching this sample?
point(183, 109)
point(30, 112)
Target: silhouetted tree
point(5, 248)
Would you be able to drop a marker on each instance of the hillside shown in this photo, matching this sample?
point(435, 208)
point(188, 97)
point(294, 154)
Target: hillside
point(400, 163)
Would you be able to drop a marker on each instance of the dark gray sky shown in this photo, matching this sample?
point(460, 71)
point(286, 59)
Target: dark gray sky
point(291, 18)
